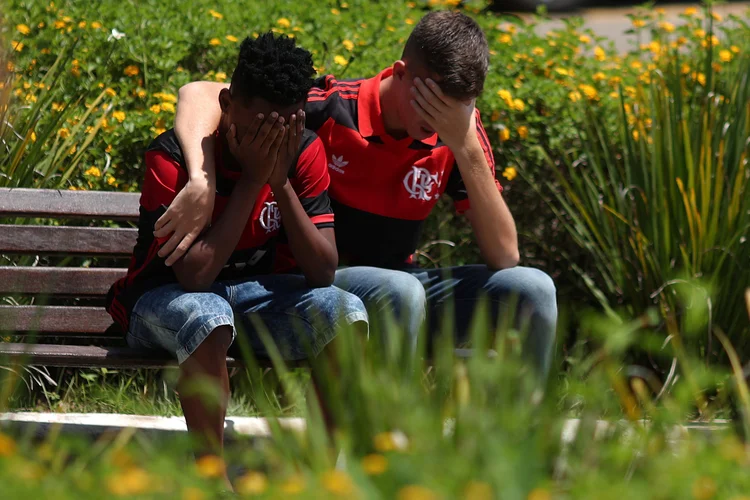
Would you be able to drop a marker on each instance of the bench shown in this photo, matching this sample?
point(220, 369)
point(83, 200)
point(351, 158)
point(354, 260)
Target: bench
point(68, 312)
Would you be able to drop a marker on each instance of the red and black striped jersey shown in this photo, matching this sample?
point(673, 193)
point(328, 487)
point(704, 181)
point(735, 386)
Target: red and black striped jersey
point(261, 249)
point(382, 189)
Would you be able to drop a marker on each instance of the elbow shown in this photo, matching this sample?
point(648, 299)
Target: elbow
point(321, 278)
point(188, 90)
point(504, 259)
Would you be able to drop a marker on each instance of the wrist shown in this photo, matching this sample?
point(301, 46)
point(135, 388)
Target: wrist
point(247, 183)
point(469, 149)
point(280, 188)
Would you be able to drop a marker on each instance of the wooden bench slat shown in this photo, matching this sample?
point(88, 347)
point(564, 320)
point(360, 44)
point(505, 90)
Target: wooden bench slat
point(60, 204)
point(93, 320)
point(88, 356)
point(71, 281)
point(66, 240)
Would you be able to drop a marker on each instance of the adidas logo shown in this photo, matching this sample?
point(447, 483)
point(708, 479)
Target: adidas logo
point(337, 164)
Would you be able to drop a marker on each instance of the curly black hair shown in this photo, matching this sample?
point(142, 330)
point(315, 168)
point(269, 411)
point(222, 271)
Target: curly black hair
point(273, 68)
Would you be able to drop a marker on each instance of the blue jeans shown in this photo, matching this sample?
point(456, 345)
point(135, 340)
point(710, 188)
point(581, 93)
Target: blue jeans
point(301, 320)
point(413, 290)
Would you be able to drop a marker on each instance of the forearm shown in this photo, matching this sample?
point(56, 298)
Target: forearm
point(200, 266)
point(198, 116)
point(489, 215)
point(315, 254)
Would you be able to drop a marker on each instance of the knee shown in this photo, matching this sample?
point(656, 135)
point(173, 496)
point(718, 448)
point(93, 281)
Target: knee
point(407, 294)
point(532, 286)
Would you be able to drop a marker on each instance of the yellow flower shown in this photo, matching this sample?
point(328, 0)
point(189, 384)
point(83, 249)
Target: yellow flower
point(166, 97)
point(639, 23)
point(574, 96)
point(584, 39)
point(655, 47)
point(111, 180)
point(716, 16)
point(293, 485)
point(110, 92)
point(523, 132)
point(725, 55)
point(214, 42)
point(119, 116)
point(668, 27)
point(96, 25)
point(504, 134)
point(636, 65)
point(33, 136)
point(338, 483)
point(505, 96)
point(506, 39)
point(193, 493)
point(681, 40)
point(598, 77)
point(159, 130)
point(630, 91)
point(476, 490)
point(59, 25)
point(690, 11)
point(415, 492)
point(562, 71)
point(699, 33)
point(231, 38)
point(82, 24)
point(63, 133)
point(539, 494)
point(335, 12)
point(510, 173)
point(518, 105)
point(348, 45)
point(7, 445)
point(210, 466)
point(599, 53)
point(284, 22)
point(18, 46)
point(704, 488)
point(23, 29)
point(636, 135)
point(340, 60)
point(131, 70)
point(409, 20)
point(685, 69)
point(215, 14)
point(168, 106)
point(538, 51)
point(134, 481)
point(220, 76)
point(374, 464)
point(93, 171)
point(155, 108)
point(701, 79)
point(734, 49)
point(252, 483)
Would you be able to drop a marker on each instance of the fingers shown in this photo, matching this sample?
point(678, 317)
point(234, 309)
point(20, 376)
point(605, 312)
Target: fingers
point(429, 95)
point(231, 136)
point(182, 248)
point(166, 229)
point(252, 131)
point(421, 112)
point(428, 108)
point(435, 88)
point(280, 138)
point(266, 128)
point(272, 140)
point(168, 247)
point(292, 133)
point(166, 217)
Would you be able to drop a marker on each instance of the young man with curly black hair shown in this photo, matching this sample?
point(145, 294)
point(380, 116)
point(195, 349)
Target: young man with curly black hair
point(395, 143)
point(271, 215)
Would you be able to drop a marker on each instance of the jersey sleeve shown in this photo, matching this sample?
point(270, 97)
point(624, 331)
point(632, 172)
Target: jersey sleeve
point(455, 187)
point(163, 179)
point(311, 180)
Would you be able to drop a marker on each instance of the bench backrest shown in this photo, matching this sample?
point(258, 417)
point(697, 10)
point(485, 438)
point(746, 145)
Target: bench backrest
point(45, 283)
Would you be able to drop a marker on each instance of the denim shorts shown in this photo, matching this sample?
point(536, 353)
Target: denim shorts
point(300, 320)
